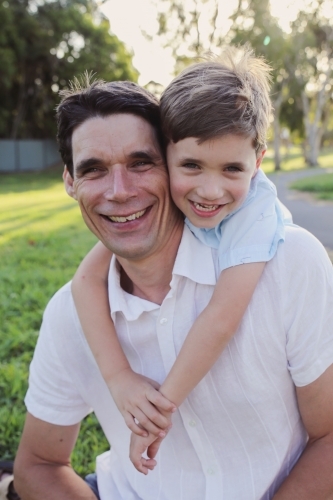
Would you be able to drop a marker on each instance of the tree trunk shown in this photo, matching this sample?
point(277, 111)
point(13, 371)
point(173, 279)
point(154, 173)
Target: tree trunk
point(20, 110)
point(277, 155)
point(277, 131)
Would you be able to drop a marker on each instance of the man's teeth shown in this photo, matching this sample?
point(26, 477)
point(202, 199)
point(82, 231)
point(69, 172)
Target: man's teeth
point(205, 208)
point(129, 217)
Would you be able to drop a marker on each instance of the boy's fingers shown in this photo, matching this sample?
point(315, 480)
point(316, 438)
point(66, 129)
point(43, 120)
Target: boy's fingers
point(157, 399)
point(153, 448)
point(144, 465)
point(147, 422)
point(134, 427)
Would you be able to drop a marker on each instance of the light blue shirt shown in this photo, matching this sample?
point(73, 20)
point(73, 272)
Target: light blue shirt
point(251, 233)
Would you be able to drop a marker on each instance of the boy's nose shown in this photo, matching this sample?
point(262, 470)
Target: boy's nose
point(210, 190)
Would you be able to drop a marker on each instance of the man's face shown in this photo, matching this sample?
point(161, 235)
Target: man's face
point(210, 180)
point(121, 184)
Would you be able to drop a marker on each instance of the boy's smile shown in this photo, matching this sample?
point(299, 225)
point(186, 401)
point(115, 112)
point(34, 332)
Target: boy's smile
point(212, 179)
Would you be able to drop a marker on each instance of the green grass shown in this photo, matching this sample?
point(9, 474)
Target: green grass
point(42, 240)
point(320, 185)
point(293, 159)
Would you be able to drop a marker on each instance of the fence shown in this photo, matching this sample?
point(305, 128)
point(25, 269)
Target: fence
point(27, 154)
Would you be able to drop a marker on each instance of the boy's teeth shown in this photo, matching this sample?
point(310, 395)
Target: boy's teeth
point(129, 217)
point(205, 208)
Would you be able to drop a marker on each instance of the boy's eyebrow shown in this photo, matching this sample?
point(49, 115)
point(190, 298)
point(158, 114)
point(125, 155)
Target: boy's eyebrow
point(187, 159)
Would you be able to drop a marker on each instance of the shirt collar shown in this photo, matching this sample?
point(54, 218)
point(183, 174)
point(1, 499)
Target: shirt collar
point(194, 261)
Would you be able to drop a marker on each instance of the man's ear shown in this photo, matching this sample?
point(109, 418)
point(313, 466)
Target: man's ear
point(69, 183)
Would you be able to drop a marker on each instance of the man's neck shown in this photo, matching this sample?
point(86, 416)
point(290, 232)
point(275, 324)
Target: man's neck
point(150, 278)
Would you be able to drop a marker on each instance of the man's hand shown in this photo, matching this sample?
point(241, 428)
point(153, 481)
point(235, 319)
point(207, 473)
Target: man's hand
point(139, 401)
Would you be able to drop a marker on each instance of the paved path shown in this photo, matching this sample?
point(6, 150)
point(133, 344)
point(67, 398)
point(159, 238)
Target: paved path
point(314, 215)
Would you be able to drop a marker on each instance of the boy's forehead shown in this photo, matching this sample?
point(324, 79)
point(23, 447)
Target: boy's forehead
point(197, 144)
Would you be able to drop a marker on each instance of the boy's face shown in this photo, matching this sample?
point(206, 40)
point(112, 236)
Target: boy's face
point(210, 180)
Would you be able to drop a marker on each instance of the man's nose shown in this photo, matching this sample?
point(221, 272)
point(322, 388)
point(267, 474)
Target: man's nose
point(121, 185)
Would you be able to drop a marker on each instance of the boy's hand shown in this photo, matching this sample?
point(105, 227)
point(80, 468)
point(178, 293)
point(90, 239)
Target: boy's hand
point(137, 398)
point(138, 446)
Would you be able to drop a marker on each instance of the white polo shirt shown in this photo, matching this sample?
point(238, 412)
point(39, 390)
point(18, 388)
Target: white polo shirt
point(239, 433)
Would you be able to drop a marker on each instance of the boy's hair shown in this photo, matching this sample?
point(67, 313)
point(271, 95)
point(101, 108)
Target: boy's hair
point(86, 100)
point(229, 95)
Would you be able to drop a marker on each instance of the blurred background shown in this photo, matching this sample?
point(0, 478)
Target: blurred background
point(46, 43)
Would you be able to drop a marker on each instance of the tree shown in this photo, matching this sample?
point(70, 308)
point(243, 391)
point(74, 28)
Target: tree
point(51, 42)
point(312, 34)
point(182, 25)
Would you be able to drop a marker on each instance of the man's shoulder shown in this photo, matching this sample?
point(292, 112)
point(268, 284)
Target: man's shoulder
point(60, 312)
point(299, 241)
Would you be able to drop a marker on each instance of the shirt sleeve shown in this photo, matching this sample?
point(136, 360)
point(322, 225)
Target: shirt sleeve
point(52, 395)
point(308, 311)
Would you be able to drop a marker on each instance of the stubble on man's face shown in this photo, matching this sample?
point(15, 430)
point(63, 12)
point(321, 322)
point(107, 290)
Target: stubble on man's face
point(122, 186)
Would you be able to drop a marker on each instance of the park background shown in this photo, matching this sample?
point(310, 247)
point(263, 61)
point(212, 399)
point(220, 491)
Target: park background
point(43, 45)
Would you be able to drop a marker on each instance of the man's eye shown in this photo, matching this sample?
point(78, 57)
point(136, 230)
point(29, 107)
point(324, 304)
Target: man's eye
point(142, 165)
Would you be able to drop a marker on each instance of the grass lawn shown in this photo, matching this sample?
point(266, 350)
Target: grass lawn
point(320, 185)
point(42, 240)
point(293, 159)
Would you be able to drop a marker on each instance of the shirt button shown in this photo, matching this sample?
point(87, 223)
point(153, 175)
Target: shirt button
point(192, 423)
point(210, 471)
point(163, 321)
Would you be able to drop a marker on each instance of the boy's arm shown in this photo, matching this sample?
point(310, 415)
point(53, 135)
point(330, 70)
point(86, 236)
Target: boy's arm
point(135, 395)
point(42, 465)
point(212, 330)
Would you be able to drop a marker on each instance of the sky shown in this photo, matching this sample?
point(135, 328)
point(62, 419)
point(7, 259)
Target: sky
point(129, 17)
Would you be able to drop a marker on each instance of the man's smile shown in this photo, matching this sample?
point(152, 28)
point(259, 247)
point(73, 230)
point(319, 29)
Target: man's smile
point(136, 215)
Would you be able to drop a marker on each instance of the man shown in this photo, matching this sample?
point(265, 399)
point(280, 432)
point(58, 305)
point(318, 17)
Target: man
point(242, 433)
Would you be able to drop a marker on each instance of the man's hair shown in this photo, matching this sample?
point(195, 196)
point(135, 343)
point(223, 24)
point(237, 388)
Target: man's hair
point(229, 95)
point(85, 100)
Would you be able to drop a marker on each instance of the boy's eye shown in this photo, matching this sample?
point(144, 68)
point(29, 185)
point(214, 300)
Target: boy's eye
point(233, 168)
point(190, 166)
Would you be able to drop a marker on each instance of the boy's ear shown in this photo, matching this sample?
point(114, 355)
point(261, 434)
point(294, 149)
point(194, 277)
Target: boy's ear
point(260, 158)
point(69, 183)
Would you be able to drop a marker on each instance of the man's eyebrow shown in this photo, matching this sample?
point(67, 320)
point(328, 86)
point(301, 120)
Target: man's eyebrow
point(145, 155)
point(85, 164)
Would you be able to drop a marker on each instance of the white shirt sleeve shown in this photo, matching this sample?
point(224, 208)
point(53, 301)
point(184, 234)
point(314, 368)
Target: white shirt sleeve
point(52, 395)
point(309, 311)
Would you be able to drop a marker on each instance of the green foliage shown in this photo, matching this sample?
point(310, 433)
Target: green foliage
point(42, 240)
point(42, 47)
point(321, 185)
